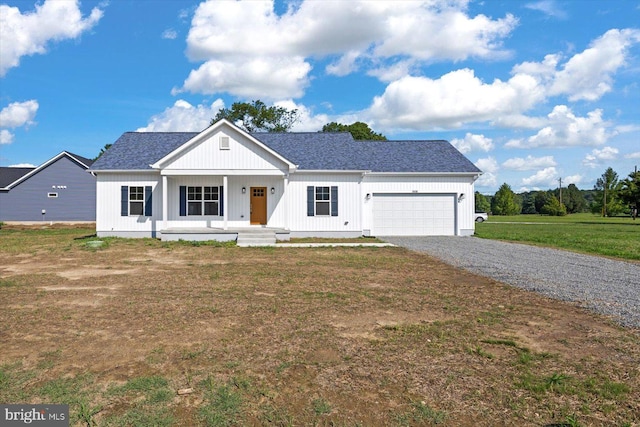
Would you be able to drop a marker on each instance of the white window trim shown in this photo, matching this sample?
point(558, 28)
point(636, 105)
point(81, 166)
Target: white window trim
point(316, 200)
point(136, 201)
point(202, 201)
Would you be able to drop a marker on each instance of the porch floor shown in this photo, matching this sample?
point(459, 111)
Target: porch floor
point(220, 234)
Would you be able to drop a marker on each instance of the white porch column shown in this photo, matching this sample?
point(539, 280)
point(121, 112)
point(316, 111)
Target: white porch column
point(225, 198)
point(285, 196)
point(165, 202)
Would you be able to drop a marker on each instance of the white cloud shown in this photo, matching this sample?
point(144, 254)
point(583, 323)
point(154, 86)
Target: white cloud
point(230, 36)
point(519, 121)
point(545, 70)
point(548, 7)
point(6, 137)
point(597, 157)
point(459, 97)
point(18, 114)
point(572, 179)
point(589, 75)
point(529, 163)
point(255, 77)
point(170, 34)
point(472, 142)
point(394, 71)
point(489, 167)
point(307, 121)
point(565, 129)
point(22, 165)
point(345, 65)
point(627, 128)
point(635, 155)
point(14, 115)
point(547, 176)
point(29, 33)
point(455, 98)
point(183, 117)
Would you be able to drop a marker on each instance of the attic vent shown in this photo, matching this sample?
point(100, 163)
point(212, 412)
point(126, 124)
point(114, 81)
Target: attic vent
point(224, 142)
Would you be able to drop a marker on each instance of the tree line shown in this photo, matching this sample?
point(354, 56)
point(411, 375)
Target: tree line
point(609, 197)
point(255, 116)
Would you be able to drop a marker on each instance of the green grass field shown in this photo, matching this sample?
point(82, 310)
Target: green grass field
point(586, 233)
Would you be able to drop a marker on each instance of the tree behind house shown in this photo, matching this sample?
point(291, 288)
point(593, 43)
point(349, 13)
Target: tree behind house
point(553, 207)
point(505, 202)
point(257, 117)
point(481, 202)
point(630, 192)
point(359, 131)
point(607, 201)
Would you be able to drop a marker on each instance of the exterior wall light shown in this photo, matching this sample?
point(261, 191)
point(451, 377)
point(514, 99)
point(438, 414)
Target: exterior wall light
point(273, 190)
point(368, 196)
point(244, 190)
point(460, 197)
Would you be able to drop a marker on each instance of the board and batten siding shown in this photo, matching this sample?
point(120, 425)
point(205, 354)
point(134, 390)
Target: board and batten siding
point(237, 206)
point(241, 154)
point(110, 222)
point(408, 184)
point(348, 221)
point(74, 187)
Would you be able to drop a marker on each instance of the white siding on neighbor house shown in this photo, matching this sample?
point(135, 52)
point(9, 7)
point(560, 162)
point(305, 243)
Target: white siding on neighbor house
point(108, 191)
point(241, 155)
point(408, 184)
point(349, 216)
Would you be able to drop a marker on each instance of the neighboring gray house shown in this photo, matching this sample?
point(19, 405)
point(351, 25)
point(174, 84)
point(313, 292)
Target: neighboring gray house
point(223, 180)
point(60, 189)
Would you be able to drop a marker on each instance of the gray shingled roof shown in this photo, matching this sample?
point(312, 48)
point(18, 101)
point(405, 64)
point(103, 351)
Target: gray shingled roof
point(308, 150)
point(9, 175)
point(84, 160)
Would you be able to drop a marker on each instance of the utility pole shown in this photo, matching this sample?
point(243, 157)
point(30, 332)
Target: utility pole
point(560, 183)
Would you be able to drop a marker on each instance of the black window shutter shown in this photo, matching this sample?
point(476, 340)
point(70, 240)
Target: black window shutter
point(221, 201)
point(334, 201)
point(310, 200)
point(124, 200)
point(148, 203)
point(183, 200)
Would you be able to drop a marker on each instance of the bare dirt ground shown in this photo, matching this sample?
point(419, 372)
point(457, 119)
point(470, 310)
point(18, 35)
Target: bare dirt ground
point(303, 336)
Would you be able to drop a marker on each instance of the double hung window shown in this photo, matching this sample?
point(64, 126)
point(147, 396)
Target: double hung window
point(203, 201)
point(136, 200)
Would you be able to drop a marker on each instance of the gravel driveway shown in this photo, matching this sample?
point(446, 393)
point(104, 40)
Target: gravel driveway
point(603, 285)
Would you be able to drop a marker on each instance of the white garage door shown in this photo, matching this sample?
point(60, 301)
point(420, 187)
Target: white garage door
point(414, 214)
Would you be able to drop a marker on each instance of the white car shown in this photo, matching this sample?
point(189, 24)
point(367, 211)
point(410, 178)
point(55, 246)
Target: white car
point(481, 216)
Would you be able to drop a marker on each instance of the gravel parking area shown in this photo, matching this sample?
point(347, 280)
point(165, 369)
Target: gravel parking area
point(606, 286)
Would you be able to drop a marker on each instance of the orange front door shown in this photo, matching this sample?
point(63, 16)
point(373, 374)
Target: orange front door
point(258, 205)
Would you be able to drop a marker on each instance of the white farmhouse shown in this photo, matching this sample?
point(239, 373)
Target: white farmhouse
point(223, 182)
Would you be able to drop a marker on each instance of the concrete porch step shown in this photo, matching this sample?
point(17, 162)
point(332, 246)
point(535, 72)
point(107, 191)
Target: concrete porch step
point(256, 238)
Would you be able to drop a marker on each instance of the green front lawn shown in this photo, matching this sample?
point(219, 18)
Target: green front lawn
point(587, 233)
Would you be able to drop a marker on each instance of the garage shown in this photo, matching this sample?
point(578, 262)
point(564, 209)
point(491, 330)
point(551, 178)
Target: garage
point(414, 214)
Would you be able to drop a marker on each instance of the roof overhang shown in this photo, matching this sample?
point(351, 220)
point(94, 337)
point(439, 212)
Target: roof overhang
point(325, 171)
point(134, 171)
point(221, 172)
point(469, 174)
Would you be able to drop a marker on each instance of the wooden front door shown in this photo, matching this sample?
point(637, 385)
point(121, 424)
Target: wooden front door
point(258, 205)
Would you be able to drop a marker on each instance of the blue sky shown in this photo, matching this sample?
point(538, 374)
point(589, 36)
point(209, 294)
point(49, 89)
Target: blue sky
point(530, 91)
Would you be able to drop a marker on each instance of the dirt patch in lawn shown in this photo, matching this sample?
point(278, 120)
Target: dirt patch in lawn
point(297, 336)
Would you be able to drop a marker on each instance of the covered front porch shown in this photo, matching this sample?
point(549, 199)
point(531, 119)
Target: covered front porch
point(211, 206)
